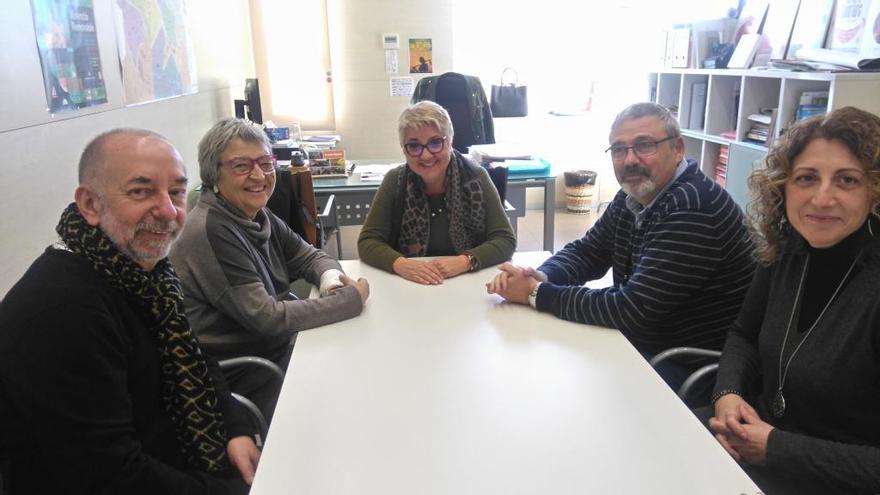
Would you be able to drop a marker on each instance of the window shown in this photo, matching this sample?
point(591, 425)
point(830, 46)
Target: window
point(562, 49)
point(292, 58)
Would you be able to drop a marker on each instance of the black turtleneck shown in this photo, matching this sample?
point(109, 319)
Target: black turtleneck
point(826, 271)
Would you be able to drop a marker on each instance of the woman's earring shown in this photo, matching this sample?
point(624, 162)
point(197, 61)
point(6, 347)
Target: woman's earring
point(216, 189)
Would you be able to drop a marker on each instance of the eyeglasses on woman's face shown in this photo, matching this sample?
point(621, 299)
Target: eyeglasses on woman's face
point(245, 166)
point(434, 146)
point(640, 148)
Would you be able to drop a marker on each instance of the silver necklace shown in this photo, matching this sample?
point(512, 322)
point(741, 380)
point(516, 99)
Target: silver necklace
point(778, 405)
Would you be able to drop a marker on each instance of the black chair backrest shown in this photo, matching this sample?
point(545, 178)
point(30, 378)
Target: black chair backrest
point(452, 94)
point(499, 179)
point(293, 201)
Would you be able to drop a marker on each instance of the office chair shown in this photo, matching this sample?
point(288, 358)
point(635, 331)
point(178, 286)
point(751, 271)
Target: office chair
point(463, 97)
point(694, 378)
point(257, 415)
point(294, 202)
point(499, 176)
point(4, 477)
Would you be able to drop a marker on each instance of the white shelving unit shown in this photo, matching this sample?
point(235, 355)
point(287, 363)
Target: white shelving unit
point(732, 95)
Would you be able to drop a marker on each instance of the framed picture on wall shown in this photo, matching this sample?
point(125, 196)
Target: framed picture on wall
point(421, 59)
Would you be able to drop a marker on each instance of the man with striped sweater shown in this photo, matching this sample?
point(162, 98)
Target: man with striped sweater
point(675, 240)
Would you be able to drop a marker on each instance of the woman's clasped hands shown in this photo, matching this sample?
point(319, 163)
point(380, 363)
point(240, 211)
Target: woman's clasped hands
point(740, 430)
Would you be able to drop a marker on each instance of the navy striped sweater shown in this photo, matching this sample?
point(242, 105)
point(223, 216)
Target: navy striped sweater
point(679, 278)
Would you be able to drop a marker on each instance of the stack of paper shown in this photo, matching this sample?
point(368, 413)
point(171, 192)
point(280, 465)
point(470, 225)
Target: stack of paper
point(484, 153)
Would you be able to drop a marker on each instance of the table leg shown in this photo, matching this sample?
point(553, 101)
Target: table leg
point(549, 212)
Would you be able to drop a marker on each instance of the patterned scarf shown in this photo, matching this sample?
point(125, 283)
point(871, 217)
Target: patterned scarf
point(187, 389)
point(465, 205)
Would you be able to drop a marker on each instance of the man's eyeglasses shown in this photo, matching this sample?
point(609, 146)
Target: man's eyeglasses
point(641, 148)
point(244, 166)
point(434, 145)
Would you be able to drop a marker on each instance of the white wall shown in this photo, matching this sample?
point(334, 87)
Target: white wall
point(38, 174)
point(366, 116)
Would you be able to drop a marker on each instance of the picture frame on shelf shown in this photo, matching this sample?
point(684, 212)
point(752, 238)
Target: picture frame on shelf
point(848, 25)
point(810, 26)
point(870, 46)
point(751, 18)
point(745, 51)
point(777, 31)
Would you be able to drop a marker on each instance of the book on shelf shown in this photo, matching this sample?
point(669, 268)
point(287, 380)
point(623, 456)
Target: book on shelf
point(698, 106)
point(814, 98)
point(681, 46)
point(812, 103)
point(670, 48)
point(762, 123)
point(721, 165)
point(807, 111)
point(730, 134)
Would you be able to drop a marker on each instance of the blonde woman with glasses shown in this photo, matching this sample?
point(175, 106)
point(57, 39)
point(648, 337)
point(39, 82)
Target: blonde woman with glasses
point(438, 204)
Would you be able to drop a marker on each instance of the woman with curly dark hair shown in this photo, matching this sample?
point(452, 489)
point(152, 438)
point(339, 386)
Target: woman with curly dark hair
point(798, 390)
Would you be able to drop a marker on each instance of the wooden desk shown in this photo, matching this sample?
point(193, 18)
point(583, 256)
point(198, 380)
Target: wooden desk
point(447, 390)
point(353, 197)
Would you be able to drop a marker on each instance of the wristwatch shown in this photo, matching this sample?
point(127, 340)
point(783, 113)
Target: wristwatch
point(473, 263)
point(533, 297)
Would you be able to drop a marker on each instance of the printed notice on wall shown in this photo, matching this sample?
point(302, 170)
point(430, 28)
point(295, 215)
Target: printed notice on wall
point(68, 45)
point(402, 86)
point(391, 65)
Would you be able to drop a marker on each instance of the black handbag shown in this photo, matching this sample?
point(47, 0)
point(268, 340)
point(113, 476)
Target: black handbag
point(509, 100)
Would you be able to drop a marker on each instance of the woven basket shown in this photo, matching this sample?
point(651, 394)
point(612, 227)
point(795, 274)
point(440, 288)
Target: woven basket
point(579, 186)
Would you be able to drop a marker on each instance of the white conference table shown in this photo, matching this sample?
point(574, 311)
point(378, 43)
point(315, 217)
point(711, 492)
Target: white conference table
point(449, 390)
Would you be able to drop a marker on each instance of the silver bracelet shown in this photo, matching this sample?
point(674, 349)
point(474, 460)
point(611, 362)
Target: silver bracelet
point(725, 392)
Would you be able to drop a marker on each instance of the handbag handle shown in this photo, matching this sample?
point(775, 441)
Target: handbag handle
point(515, 75)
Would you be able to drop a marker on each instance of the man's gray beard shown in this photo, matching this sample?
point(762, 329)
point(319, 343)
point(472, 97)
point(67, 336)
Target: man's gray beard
point(645, 187)
point(111, 226)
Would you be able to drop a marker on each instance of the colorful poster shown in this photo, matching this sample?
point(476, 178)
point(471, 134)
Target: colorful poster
point(420, 59)
point(68, 44)
point(155, 49)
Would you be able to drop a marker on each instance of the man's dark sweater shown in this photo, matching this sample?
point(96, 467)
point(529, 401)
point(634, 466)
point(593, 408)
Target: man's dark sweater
point(81, 409)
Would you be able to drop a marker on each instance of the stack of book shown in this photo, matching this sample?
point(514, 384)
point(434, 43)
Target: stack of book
point(327, 163)
point(812, 103)
point(721, 166)
point(761, 126)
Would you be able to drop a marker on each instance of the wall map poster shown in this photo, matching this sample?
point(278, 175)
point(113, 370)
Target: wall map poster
point(155, 49)
point(68, 44)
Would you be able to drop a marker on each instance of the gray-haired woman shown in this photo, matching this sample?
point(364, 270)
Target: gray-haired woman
point(236, 261)
point(438, 204)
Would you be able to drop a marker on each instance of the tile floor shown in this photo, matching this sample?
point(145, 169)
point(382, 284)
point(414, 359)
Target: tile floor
point(530, 235)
